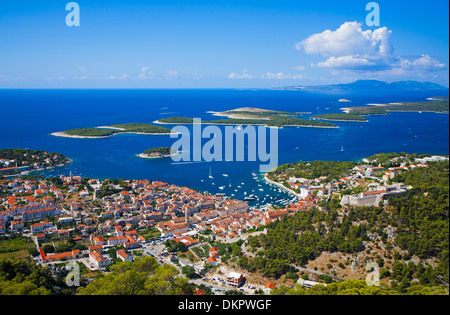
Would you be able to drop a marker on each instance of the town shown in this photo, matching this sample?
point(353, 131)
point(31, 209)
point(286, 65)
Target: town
point(98, 223)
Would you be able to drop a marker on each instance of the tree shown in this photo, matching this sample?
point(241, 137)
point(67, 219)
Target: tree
point(188, 271)
point(142, 277)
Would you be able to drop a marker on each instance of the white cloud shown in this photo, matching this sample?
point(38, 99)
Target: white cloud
point(282, 76)
point(424, 63)
point(236, 76)
point(349, 39)
point(350, 48)
point(352, 62)
point(299, 68)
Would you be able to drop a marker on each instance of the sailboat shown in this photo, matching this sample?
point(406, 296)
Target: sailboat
point(210, 176)
point(342, 149)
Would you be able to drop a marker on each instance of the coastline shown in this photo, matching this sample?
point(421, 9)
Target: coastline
point(344, 120)
point(65, 135)
point(229, 124)
point(288, 190)
point(146, 156)
point(45, 169)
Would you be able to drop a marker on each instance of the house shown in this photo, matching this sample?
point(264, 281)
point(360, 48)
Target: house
point(97, 260)
point(235, 279)
point(40, 227)
point(117, 240)
point(16, 225)
point(124, 256)
point(269, 287)
point(98, 248)
point(212, 261)
point(97, 240)
point(212, 251)
point(63, 234)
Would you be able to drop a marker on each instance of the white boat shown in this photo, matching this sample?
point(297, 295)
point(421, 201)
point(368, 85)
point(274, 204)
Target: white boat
point(210, 176)
point(225, 175)
point(222, 187)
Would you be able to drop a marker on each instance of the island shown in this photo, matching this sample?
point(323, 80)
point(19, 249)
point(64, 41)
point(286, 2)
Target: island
point(341, 117)
point(434, 105)
point(158, 153)
point(253, 116)
point(15, 161)
point(107, 131)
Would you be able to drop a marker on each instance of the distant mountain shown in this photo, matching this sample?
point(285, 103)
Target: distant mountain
point(369, 85)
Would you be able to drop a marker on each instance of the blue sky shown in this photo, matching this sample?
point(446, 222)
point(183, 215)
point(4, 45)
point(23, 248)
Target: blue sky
point(220, 44)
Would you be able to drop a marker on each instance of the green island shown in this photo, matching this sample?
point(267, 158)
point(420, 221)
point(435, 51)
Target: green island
point(14, 161)
point(340, 117)
point(436, 106)
point(251, 112)
point(107, 131)
point(253, 116)
point(156, 153)
point(276, 121)
point(141, 128)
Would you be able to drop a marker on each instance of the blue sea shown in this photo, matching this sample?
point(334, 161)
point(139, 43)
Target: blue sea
point(29, 116)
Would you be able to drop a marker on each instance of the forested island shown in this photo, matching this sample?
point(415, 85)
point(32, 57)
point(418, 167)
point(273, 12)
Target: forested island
point(158, 153)
point(340, 117)
point(274, 121)
point(436, 105)
point(107, 131)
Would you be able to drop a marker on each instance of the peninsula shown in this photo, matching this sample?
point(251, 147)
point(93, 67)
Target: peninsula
point(15, 161)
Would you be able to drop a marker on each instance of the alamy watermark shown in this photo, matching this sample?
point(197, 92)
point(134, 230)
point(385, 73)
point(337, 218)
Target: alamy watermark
point(73, 277)
point(73, 17)
point(373, 278)
point(373, 18)
point(239, 143)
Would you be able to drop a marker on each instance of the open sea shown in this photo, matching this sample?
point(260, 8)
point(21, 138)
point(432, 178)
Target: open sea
point(27, 117)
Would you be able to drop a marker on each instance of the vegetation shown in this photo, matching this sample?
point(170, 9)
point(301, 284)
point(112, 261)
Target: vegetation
point(260, 113)
point(25, 157)
point(430, 106)
point(276, 121)
point(122, 128)
point(142, 277)
point(315, 169)
point(91, 132)
point(161, 151)
point(142, 128)
point(357, 287)
point(177, 120)
point(343, 117)
point(419, 218)
point(24, 278)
